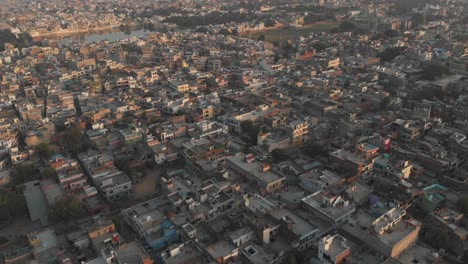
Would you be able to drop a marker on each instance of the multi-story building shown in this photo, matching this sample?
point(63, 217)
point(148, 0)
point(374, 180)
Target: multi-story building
point(333, 250)
point(246, 166)
point(328, 206)
point(299, 131)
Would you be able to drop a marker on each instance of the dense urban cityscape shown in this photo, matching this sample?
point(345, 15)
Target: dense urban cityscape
point(233, 131)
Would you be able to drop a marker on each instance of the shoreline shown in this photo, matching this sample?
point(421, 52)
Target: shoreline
point(284, 27)
point(80, 31)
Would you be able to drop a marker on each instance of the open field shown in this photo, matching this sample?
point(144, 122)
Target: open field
point(278, 35)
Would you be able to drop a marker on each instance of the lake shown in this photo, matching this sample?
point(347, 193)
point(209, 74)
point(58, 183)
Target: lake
point(115, 36)
point(290, 33)
point(110, 35)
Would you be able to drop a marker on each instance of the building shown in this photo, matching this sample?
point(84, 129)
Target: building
point(333, 250)
point(151, 224)
point(433, 197)
point(222, 251)
point(458, 143)
point(184, 253)
point(318, 180)
point(301, 233)
point(271, 220)
point(299, 131)
point(351, 162)
point(111, 182)
point(246, 166)
point(394, 234)
point(256, 254)
point(329, 206)
point(389, 234)
point(397, 169)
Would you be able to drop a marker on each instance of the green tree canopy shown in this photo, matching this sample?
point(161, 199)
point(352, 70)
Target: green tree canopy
point(12, 204)
point(436, 236)
point(347, 26)
point(46, 150)
point(313, 150)
point(462, 205)
point(48, 173)
point(391, 53)
point(23, 173)
point(250, 130)
point(73, 140)
point(23, 40)
point(67, 209)
point(279, 155)
point(434, 70)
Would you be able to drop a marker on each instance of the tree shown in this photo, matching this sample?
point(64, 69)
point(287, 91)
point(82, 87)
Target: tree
point(73, 140)
point(385, 103)
point(276, 58)
point(251, 131)
point(430, 93)
point(148, 94)
point(434, 70)
point(319, 47)
point(296, 257)
point(361, 31)
point(269, 23)
point(279, 155)
point(23, 173)
point(391, 53)
point(313, 150)
point(12, 205)
point(20, 41)
point(67, 209)
point(49, 173)
point(261, 37)
point(435, 236)
point(292, 259)
point(391, 33)
point(123, 164)
point(224, 32)
point(335, 30)
point(46, 150)
point(347, 26)
point(462, 205)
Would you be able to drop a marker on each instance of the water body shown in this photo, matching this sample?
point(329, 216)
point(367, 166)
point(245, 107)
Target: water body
point(110, 35)
point(114, 36)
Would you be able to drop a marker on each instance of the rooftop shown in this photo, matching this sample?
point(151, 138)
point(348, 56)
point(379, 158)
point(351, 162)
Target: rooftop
point(333, 206)
point(258, 254)
point(182, 254)
point(399, 231)
point(334, 246)
point(346, 155)
point(131, 253)
point(36, 202)
point(255, 169)
point(221, 249)
point(297, 225)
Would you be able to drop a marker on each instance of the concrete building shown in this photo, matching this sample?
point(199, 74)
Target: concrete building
point(299, 131)
point(150, 223)
point(330, 207)
point(318, 180)
point(246, 166)
point(333, 250)
point(276, 220)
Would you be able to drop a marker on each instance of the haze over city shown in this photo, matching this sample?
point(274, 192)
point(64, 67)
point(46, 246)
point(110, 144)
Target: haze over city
point(233, 132)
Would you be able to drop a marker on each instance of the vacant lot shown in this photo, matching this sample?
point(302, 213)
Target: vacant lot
point(148, 186)
point(284, 34)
